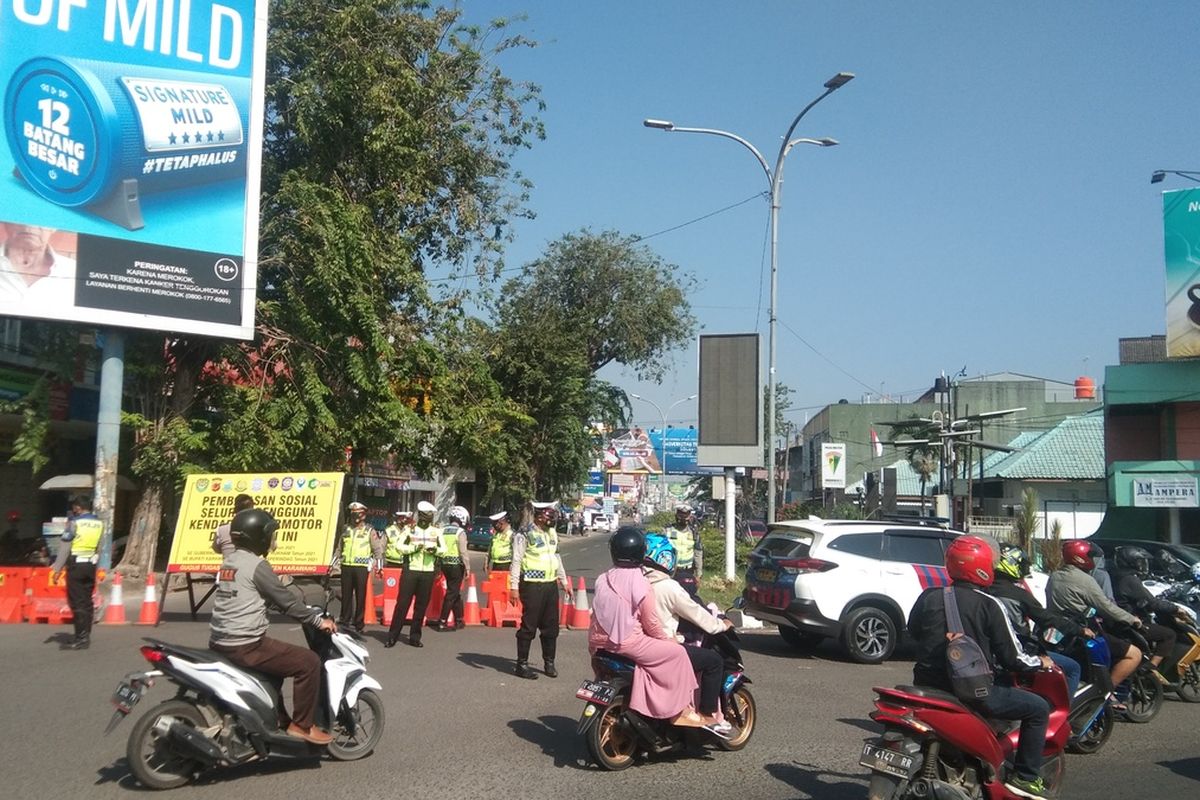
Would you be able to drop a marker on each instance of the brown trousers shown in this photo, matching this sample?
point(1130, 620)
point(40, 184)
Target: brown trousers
point(286, 661)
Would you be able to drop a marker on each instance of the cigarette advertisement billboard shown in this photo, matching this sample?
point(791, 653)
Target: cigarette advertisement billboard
point(129, 162)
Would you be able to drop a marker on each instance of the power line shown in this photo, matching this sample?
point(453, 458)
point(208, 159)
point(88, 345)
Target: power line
point(754, 196)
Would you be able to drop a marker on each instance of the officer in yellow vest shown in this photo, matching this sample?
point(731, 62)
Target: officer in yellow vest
point(534, 578)
point(684, 541)
point(361, 546)
point(78, 552)
point(499, 557)
point(456, 564)
point(422, 546)
point(393, 535)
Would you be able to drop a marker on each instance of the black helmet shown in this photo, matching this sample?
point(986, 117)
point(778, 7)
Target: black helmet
point(253, 530)
point(1134, 558)
point(627, 546)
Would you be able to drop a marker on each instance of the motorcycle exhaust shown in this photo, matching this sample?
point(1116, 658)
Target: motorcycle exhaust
point(190, 742)
point(936, 790)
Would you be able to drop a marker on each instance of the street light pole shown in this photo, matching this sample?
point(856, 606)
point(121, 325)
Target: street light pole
point(662, 478)
point(775, 183)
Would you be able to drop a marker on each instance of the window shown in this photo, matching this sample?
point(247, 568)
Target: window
point(915, 549)
point(859, 544)
point(784, 546)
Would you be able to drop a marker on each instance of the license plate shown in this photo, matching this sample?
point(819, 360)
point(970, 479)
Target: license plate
point(126, 697)
point(766, 575)
point(596, 692)
point(886, 761)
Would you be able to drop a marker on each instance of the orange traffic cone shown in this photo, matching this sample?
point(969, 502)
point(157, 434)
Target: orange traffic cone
point(115, 613)
point(471, 614)
point(369, 617)
point(581, 616)
point(566, 608)
point(149, 614)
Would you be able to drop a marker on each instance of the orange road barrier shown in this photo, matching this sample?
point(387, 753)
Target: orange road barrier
point(581, 617)
point(391, 592)
point(12, 593)
point(115, 613)
point(369, 617)
point(471, 614)
point(149, 613)
point(566, 606)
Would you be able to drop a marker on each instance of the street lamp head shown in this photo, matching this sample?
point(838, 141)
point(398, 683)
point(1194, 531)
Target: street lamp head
point(636, 396)
point(1157, 176)
point(839, 80)
point(827, 142)
point(661, 124)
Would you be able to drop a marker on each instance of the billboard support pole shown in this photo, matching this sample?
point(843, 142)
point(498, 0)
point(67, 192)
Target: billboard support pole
point(108, 438)
point(730, 499)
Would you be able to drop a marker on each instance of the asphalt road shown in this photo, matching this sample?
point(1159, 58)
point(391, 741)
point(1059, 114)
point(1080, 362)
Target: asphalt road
point(459, 725)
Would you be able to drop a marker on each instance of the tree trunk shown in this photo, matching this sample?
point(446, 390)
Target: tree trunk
point(142, 546)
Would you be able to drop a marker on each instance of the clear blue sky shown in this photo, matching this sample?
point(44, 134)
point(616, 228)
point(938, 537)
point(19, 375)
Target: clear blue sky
point(989, 205)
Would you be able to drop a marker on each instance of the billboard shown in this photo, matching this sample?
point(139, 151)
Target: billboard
point(681, 449)
point(306, 505)
point(730, 408)
point(833, 466)
point(129, 162)
point(1181, 229)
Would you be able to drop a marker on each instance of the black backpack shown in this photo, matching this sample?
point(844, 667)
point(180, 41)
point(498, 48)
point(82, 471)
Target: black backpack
point(968, 667)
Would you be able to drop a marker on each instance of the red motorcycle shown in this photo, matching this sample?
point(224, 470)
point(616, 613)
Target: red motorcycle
point(935, 748)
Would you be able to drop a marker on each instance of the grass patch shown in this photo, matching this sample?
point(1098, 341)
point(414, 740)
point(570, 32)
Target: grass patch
point(713, 586)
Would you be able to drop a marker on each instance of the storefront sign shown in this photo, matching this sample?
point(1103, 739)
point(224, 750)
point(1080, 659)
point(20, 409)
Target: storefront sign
point(1163, 492)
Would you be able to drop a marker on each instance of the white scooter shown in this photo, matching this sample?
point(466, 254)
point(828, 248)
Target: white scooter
point(224, 714)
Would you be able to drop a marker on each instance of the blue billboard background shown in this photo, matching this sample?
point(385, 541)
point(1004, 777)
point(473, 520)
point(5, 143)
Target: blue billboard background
point(681, 451)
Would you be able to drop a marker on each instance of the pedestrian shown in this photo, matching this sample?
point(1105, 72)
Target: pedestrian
point(361, 544)
point(499, 557)
point(536, 568)
point(222, 543)
point(456, 565)
point(77, 552)
point(422, 546)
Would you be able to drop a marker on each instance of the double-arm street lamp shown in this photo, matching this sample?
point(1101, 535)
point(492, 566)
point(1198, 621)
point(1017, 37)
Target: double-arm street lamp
point(1160, 174)
point(775, 183)
point(662, 479)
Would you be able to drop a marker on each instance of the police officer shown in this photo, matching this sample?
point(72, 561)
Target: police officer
point(499, 557)
point(683, 539)
point(393, 535)
point(532, 578)
point(360, 544)
point(77, 552)
point(422, 545)
point(456, 564)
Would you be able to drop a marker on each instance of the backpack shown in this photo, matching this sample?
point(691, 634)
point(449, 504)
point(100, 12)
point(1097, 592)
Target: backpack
point(968, 667)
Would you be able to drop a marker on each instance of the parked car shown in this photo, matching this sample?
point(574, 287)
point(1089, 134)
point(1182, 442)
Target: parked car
point(756, 528)
point(479, 537)
point(848, 579)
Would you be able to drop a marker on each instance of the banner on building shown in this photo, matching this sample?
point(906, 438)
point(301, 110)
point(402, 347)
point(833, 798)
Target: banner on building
point(833, 466)
point(129, 162)
point(306, 506)
point(1165, 492)
point(1181, 228)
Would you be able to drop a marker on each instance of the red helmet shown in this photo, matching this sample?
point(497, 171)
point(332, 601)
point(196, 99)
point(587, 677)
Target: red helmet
point(1078, 553)
point(969, 559)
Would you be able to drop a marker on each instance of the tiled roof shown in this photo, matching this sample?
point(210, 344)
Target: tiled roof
point(908, 482)
point(1071, 450)
point(994, 457)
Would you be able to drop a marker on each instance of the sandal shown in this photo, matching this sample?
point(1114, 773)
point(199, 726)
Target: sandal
point(688, 719)
point(1116, 704)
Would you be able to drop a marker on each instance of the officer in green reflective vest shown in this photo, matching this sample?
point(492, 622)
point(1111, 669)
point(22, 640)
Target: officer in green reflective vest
point(422, 546)
point(361, 546)
point(534, 577)
point(78, 552)
point(456, 564)
point(499, 558)
point(393, 535)
point(683, 539)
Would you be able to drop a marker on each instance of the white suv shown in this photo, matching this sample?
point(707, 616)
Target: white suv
point(853, 579)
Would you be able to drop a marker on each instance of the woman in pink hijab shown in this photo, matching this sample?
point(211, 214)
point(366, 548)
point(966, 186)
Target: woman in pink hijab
point(624, 622)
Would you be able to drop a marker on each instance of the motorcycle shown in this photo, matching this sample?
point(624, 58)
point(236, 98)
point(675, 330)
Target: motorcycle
point(1141, 692)
point(616, 735)
point(934, 747)
point(1091, 716)
point(223, 714)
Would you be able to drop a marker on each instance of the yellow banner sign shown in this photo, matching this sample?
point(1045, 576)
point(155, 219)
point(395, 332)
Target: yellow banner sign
point(305, 504)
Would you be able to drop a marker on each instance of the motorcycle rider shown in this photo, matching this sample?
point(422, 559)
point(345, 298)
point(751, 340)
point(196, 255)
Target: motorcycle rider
point(673, 602)
point(969, 563)
point(1011, 567)
point(1074, 593)
point(1133, 566)
point(246, 585)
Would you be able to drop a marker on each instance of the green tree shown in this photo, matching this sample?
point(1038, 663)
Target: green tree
point(924, 454)
point(589, 301)
point(1026, 524)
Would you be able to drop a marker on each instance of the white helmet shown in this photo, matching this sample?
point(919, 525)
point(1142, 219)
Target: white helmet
point(460, 515)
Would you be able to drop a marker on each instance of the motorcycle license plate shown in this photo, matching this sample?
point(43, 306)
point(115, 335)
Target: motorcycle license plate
point(126, 697)
point(766, 575)
point(888, 762)
point(596, 692)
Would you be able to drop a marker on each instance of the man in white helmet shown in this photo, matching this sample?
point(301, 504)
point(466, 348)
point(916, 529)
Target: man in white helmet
point(534, 577)
point(362, 546)
point(422, 546)
point(456, 564)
